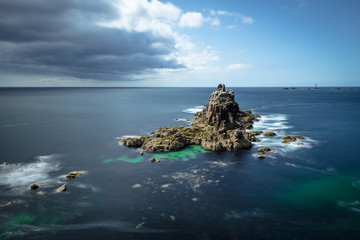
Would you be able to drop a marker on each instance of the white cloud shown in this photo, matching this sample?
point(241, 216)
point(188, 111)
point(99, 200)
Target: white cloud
point(239, 66)
point(215, 22)
point(244, 19)
point(192, 20)
point(163, 19)
point(198, 59)
point(142, 16)
point(301, 3)
point(221, 12)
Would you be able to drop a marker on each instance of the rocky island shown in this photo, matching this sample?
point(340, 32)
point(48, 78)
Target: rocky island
point(220, 126)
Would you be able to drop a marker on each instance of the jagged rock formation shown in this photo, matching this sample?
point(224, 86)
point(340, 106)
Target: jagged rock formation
point(219, 126)
point(222, 113)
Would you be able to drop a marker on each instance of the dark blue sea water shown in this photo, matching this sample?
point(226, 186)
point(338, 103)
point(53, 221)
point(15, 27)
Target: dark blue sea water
point(309, 191)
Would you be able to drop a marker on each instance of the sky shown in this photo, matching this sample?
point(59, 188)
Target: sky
point(179, 43)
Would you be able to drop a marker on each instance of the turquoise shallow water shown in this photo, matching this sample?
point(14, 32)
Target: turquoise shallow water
point(309, 191)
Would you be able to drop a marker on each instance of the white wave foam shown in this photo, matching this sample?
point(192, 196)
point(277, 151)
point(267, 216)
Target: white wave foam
point(356, 184)
point(182, 120)
point(85, 186)
point(328, 170)
point(272, 122)
point(20, 177)
point(353, 206)
point(279, 124)
point(121, 226)
point(127, 136)
point(193, 109)
point(234, 214)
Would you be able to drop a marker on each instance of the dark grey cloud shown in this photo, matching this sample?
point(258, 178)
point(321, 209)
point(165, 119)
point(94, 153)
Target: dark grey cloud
point(61, 38)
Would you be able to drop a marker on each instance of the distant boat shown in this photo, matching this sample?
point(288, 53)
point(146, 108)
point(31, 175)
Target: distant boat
point(316, 87)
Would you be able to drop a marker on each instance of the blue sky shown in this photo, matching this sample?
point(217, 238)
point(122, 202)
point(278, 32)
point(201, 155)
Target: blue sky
point(180, 43)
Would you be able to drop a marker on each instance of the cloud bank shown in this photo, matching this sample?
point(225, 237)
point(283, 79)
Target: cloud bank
point(65, 38)
point(100, 39)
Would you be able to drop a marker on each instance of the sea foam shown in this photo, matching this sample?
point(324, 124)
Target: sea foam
point(193, 109)
point(353, 206)
point(21, 176)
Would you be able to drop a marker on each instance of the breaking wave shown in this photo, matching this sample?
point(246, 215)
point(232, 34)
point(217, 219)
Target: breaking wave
point(20, 176)
point(193, 109)
point(353, 206)
point(279, 124)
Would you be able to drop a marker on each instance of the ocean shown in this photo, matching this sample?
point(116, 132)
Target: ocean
point(307, 191)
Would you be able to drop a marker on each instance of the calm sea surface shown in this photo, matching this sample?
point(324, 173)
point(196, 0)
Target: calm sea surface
point(309, 191)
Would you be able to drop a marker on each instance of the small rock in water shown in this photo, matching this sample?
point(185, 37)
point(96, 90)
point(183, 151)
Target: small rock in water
point(287, 139)
point(40, 193)
point(136, 185)
point(9, 203)
point(4, 164)
point(141, 153)
point(140, 225)
point(34, 186)
point(300, 138)
point(260, 156)
point(73, 174)
point(265, 149)
point(269, 134)
point(157, 160)
point(152, 159)
point(173, 218)
point(61, 189)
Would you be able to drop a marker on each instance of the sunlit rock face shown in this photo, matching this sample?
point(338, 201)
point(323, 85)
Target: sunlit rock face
point(222, 113)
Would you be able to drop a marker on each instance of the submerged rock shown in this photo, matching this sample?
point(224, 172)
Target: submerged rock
point(300, 138)
point(61, 188)
point(8, 204)
point(73, 174)
point(265, 149)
